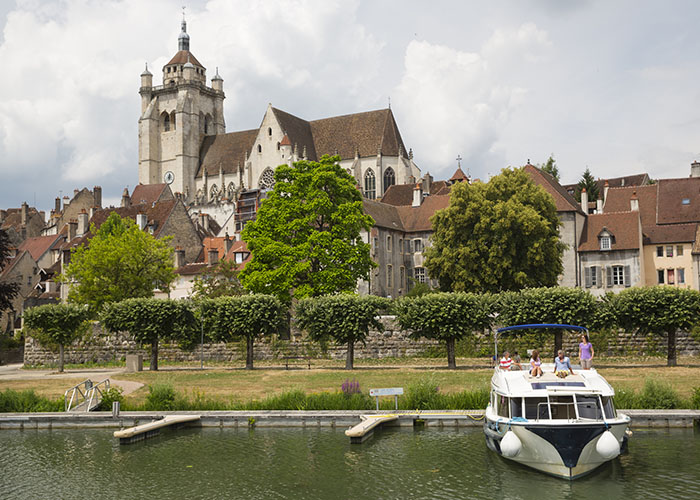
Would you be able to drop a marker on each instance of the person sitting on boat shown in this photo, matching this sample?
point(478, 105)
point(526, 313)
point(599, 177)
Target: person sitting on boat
point(535, 364)
point(516, 361)
point(561, 364)
point(585, 352)
point(506, 361)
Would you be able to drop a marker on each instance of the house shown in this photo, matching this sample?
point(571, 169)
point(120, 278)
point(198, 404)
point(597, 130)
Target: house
point(21, 223)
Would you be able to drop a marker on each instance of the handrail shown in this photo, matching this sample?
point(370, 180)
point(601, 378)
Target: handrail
point(86, 397)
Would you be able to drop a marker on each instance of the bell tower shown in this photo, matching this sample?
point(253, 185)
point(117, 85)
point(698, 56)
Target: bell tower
point(175, 118)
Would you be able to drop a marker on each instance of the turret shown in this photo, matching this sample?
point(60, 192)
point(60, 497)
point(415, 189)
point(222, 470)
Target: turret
point(217, 83)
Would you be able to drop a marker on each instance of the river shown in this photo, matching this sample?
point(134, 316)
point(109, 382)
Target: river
point(322, 464)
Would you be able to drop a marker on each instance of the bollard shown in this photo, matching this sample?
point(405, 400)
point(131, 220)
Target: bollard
point(115, 409)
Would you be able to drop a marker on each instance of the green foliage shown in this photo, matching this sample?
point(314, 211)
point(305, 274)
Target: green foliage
point(495, 236)
point(346, 318)
point(571, 306)
point(417, 289)
point(444, 316)
point(161, 397)
point(120, 262)
point(8, 290)
point(422, 395)
point(550, 167)
point(27, 401)
point(658, 394)
point(219, 281)
point(150, 320)
point(306, 240)
point(695, 399)
point(110, 396)
point(587, 181)
point(658, 310)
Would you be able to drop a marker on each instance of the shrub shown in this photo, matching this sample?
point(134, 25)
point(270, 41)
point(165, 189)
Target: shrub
point(695, 399)
point(27, 401)
point(658, 395)
point(161, 397)
point(626, 399)
point(110, 396)
point(422, 395)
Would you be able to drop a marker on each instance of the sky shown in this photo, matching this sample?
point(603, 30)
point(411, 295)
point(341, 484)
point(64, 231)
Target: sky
point(610, 86)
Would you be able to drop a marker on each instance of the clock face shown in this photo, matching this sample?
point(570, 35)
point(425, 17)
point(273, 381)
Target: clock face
point(169, 177)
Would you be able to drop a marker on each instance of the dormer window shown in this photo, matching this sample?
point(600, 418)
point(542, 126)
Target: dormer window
point(686, 201)
point(605, 242)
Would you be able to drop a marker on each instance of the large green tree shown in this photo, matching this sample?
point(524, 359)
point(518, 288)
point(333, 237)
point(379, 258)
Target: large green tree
point(57, 325)
point(494, 236)
point(444, 316)
point(119, 262)
point(658, 310)
point(346, 318)
point(150, 320)
point(587, 181)
point(8, 289)
point(306, 239)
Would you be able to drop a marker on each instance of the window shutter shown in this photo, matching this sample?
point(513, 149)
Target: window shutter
point(627, 276)
point(587, 275)
point(599, 276)
point(608, 277)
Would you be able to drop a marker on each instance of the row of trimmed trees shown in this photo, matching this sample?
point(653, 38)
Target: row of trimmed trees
point(347, 319)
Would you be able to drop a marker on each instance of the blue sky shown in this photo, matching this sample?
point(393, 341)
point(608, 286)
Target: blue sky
point(607, 85)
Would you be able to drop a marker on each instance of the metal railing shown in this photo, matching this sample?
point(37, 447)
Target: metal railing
point(85, 396)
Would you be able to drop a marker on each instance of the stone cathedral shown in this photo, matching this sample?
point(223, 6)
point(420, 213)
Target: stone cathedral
point(183, 142)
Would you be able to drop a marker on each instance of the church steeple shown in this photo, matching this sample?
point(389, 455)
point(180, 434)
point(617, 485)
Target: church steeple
point(183, 40)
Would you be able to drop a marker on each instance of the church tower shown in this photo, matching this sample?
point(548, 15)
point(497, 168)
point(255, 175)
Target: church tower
point(175, 118)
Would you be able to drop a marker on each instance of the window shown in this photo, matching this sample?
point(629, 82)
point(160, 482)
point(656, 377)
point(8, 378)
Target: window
point(375, 244)
point(388, 243)
point(166, 122)
point(605, 242)
point(589, 407)
point(259, 148)
point(213, 193)
point(389, 178)
point(400, 245)
point(172, 120)
point(618, 275)
point(279, 146)
point(686, 201)
point(418, 245)
point(671, 277)
point(536, 408)
point(407, 243)
point(669, 251)
point(516, 407)
point(389, 276)
point(680, 275)
point(402, 277)
point(679, 250)
point(659, 251)
point(267, 179)
point(562, 407)
point(370, 184)
point(592, 276)
point(269, 131)
point(660, 276)
point(207, 124)
point(419, 274)
point(502, 405)
point(239, 256)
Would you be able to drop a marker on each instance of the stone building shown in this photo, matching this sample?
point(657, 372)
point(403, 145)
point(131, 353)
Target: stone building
point(21, 223)
point(67, 209)
point(22, 269)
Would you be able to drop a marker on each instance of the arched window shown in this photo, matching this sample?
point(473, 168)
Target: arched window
point(269, 131)
point(259, 148)
point(230, 191)
point(389, 178)
point(213, 193)
point(279, 146)
point(166, 122)
point(207, 125)
point(267, 179)
point(172, 120)
point(370, 184)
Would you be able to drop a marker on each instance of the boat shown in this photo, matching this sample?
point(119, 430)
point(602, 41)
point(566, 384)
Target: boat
point(565, 427)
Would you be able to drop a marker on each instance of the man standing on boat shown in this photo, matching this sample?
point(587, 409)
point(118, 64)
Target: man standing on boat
point(562, 364)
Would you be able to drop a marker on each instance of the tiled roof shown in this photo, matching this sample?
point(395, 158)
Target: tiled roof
point(562, 199)
point(614, 182)
point(181, 58)
point(671, 208)
point(402, 194)
point(13, 217)
point(618, 200)
point(147, 193)
point(218, 243)
point(227, 151)
point(298, 132)
point(624, 226)
point(670, 233)
point(406, 218)
point(459, 175)
point(39, 245)
point(384, 215)
point(157, 214)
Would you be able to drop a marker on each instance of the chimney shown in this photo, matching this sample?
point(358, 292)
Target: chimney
point(126, 200)
point(82, 222)
point(213, 255)
point(599, 206)
point(72, 230)
point(24, 212)
point(427, 182)
point(228, 243)
point(178, 257)
point(204, 221)
point(634, 202)
point(141, 221)
point(97, 195)
point(584, 200)
point(92, 211)
point(695, 169)
point(605, 191)
point(57, 206)
point(417, 195)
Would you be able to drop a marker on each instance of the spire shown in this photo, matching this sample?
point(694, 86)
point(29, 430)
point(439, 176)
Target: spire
point(183, 40)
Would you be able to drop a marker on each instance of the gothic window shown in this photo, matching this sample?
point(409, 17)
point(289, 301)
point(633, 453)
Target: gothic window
point(370, 184)
point(207, 124)
point(172, 120)
point(259, 148)
point(213, 193)
point(389, 178)
point(166, 122)
point(278, 146)
point(269, 131)
point(267, 179)
point(230, 191)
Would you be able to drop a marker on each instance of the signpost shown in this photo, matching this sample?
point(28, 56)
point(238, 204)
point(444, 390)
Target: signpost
point(391, 391)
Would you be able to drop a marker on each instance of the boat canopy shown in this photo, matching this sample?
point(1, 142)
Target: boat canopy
point(542, 325)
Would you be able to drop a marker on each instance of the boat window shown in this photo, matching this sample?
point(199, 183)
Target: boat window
point(516, 407)
point(588, 407)
point(609, 407)
point(536, 408)
point(562, 407)
point(502, 407)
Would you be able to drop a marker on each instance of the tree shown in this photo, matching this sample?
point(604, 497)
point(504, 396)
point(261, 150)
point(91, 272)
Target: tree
point(550, 166)
point(346, 318)
point(57, 325)
point(121, 262)
point(557, 305)
point(8, 290)
point(587, 181)
point(444, 316)
point(218, 281)
point(245, 316)
point(659, 310)
point(500, 235)
point(306, 240)
point(149, 321)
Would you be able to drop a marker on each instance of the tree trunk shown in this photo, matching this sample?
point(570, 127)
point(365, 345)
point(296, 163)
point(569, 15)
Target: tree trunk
point(350, 356)
point(60, 358)
point(671, 348)
point(249, 353)
point(558, 342)
point(451, 363)
point(154, 355)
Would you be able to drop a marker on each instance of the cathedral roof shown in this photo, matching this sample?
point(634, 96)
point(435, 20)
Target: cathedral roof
point(226, 151)
point(298, 131)
point(182, 56)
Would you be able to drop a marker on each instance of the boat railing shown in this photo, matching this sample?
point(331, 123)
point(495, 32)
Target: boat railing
point(573, 411)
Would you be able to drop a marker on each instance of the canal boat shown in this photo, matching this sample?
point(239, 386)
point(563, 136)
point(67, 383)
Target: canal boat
point(565, 427)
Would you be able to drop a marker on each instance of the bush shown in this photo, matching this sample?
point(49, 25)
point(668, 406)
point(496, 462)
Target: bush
point(27, 401)
point(626, 399)
point(695, 399)
point(422, 395)
point(658, 395)
point(110, 396)
point(161, 397)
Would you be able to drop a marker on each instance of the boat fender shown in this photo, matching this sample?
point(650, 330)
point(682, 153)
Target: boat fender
point(511, 445)
point(607, 446)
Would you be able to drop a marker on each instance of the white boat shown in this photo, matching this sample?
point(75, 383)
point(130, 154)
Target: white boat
point(564, 427)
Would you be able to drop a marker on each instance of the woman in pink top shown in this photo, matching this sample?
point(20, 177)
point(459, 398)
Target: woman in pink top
point(535, 364)
point(585, 352)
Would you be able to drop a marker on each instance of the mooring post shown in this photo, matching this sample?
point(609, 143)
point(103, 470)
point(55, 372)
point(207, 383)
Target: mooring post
point(115, 409)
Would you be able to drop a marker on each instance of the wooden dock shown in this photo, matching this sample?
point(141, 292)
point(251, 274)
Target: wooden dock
point(365, 429)
point(145, 431)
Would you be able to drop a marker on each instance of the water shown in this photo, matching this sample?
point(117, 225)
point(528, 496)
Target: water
point(321, 464)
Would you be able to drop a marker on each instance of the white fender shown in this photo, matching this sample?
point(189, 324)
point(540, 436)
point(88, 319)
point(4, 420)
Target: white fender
point(510, 445)
point(607, 446)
